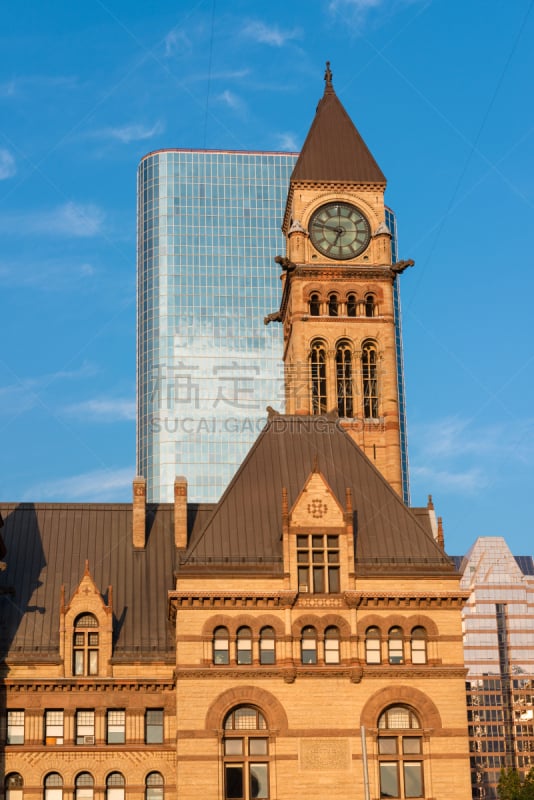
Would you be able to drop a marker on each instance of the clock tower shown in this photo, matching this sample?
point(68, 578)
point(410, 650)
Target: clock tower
point(338, 297)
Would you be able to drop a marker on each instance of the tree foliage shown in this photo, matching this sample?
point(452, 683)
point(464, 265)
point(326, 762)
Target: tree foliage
point(512, 786)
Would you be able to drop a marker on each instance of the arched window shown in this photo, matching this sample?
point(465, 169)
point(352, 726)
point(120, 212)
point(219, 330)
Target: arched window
point(267, 646)
point(85, 649)
point(418, 645)
point(318, 377)
point(400, 753)
point(220, 646)
point(244, 646)
point(352, 305)
point(395, 645)
point(372, 645)
point(154, 786)
point(308, 645)
point(370, 380)
point(13, 786)
point(331, 645)
point(246, 755)
point(53, 786)
point(115, 786)
point(370, 305)
point(345, 400)
point(315, 305)
point(84, 784)
point(333, 305)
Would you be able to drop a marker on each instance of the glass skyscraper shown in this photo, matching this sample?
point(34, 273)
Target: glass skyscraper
point(207, 366)
point(498, 631)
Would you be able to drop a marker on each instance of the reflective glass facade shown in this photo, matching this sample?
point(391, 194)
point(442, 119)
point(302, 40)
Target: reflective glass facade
point(207, 366)
point(498, 623)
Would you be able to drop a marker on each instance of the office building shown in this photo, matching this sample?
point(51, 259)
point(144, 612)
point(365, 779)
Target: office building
point(498, 624)
point(207, 366)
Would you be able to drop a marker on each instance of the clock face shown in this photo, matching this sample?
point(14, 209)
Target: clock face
point(339, 230)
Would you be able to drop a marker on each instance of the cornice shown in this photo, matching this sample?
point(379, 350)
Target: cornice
point(413, 600)
point(428, 672)
point(287, 674)
point(230, 600)
point(292, 599)
point(73, 685)
point(344, 272)
point(343, 319)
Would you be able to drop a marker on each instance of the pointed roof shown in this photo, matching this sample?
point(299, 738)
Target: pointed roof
point(334, 150)
point(245, 528)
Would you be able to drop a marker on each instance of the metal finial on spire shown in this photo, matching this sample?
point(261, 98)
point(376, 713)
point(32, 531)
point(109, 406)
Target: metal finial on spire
point(328, 76)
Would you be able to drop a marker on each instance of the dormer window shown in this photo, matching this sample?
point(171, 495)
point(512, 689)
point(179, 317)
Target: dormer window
point(85, 645)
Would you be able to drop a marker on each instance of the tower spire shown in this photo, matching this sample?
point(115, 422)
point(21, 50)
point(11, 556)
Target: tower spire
point(328, 78)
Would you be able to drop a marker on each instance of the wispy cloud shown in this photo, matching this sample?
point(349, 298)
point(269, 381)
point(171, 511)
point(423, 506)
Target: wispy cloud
point(357, 12)
point(95, 486)
point(8, 167)
point(459, 482)
point(463, 456)
point(77, 220)
point(272, 35)
point(17, 86)
point(45, 274)
point(287, 141)
point(103, 409)
point(177, 43)
point(231, 100)
point(134, 132)
point(25, 393)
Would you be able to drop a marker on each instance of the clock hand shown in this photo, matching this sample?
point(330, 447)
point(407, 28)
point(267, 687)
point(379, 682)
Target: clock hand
point(338, 229)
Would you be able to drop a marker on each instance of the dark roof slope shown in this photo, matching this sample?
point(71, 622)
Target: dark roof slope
point(334, 150)
point(48, 545)
point(246, 526)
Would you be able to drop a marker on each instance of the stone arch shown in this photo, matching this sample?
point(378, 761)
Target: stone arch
point(303, 621)
point(401, 695)
point(330, 620)
point(247, 695)
point(269, 620)
point(419, 620)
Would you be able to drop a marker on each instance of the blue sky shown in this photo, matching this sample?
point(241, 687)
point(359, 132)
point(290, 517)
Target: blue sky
point(442, 93)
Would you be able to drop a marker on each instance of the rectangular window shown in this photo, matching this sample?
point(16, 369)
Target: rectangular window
point(154, 726)
point(78, 662)
point(233, 780)
point(116, 727)
point(259, 783)
point(85, 727)
point(389, 779)
point(413, 779)
point(15, 727)
point(318, 563)
point(54, 727)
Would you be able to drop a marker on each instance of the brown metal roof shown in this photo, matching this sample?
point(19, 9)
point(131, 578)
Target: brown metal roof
point(334, 150)
point(48, 545)
point(246, 525)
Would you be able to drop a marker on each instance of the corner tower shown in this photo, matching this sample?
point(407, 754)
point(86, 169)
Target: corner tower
point(338, 297)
